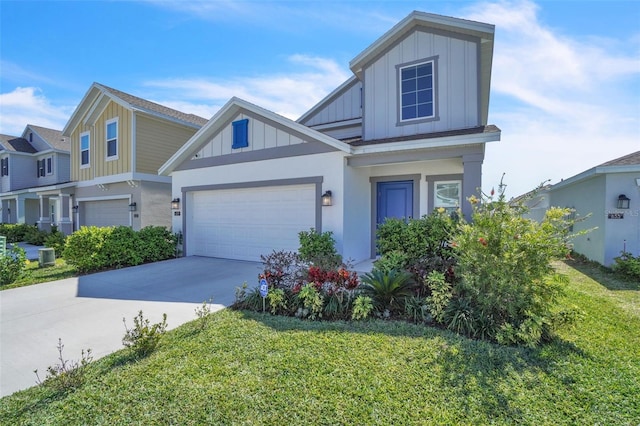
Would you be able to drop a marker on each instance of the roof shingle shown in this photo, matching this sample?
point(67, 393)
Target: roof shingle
point(16, 144)
point(154, 107)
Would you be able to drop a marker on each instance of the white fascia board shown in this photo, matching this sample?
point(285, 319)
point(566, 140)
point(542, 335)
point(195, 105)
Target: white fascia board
point(123, 177)
point(53, 187)
point(428, 143)
point(93, 92)
point(230, 109)
point(24, 154)
point(351, 80)
point(598, 170)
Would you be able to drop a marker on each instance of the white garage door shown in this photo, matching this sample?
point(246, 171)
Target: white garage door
point(105, 213)
point(246, 223)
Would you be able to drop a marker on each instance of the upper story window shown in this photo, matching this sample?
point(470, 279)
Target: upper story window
point(41, 167)
point(4, 166)
point(84, 149)
point(417, 90)
point(49, 165)
point(240, 134)
point(30, 136)
point(112, 139)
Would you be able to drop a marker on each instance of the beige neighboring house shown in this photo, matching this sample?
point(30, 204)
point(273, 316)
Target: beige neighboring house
point(35, 161)
point(118, 142)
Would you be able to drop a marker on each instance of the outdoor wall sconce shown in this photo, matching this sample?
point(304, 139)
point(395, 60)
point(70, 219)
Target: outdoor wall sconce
point(175, 204)
point(75, 209)
point(623, 201)
point(326, 199)
point(132, 207)
point(638, 181)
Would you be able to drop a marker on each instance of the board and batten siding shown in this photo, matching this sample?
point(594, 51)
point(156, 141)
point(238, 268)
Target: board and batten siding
point(345, 106)
point(457, 101)
point(98, 164)
point(261, 136)
point(157, 141)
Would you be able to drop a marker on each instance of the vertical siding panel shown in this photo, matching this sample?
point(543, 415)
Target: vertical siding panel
point(257, 138)
point(270, 136)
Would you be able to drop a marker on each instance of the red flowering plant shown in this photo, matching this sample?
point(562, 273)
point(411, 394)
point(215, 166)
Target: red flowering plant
point(331, 280)
point(283, 269)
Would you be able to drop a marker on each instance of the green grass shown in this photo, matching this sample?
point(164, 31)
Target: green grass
point(35, 275)
point(252, 368)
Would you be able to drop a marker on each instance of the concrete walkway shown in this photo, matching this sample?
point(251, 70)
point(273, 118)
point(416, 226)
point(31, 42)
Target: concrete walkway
point(87, 311)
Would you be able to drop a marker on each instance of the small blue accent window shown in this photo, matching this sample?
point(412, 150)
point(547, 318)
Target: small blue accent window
point(416, 91)
point(240, 134)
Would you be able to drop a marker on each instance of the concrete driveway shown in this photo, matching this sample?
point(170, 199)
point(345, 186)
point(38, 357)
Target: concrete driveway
point(87, 311)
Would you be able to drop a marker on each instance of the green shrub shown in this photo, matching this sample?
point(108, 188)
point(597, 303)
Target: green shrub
point(387, 289)
point(338, 305)
point(627, 265)
point(504, 266)
point(121, 248)
point(56, 240)
point(12, 265)
point(362, 307)
point(35, 236)
point(312, 302)
point(83, 248)
point(156, 243)
point(318, 247)
point(15, 232)
point(394, 260)
point(416, 310)
point(144, 337)
point(440, 295)
point(92, 248)
point(417, 238)
point(277, 300)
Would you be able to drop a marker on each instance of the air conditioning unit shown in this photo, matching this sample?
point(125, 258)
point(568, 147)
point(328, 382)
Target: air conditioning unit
point(46, 257)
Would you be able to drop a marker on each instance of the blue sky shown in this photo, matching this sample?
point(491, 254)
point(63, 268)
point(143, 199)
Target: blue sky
point(565, 85)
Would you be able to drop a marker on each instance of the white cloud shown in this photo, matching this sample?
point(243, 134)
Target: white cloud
point(287, 94)
point(27, 105)
point(564, 105)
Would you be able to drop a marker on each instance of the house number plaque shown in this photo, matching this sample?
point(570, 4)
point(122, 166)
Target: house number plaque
point(615, 216)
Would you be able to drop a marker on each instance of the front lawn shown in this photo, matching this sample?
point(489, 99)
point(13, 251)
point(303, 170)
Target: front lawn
point(33, 274)
point(254, 368)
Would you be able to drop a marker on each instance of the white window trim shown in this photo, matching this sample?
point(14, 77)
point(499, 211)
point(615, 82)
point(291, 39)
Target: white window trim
point(88, 135)
point(434, 116)
point(106, 146)
point(437, 205)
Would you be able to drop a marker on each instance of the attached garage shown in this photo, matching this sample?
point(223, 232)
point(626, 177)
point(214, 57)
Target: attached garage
point(244, 223)
point(105, 213)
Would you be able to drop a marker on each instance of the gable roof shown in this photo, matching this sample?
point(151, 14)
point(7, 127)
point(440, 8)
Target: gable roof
point(16, 144)
point(231, 109)
point(329, 98)
point(53, 137)
point(99, 95)
point(629, 163)
point(627, 160)
point(438, 23)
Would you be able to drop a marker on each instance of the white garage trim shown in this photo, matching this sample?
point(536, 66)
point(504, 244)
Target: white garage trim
point(314, 182)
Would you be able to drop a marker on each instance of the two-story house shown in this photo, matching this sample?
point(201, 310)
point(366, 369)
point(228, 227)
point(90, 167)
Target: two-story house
point(403, 136)
point(118, 142)
point(37, 159)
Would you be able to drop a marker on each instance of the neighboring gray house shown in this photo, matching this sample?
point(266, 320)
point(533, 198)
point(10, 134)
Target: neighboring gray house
point(404, 135)
point(37, 159)
point(610, 195)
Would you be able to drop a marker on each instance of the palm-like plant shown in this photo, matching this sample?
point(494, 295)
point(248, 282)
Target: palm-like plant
point(387, 289)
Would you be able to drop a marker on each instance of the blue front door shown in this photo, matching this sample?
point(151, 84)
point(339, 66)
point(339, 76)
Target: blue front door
point(395, 199)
